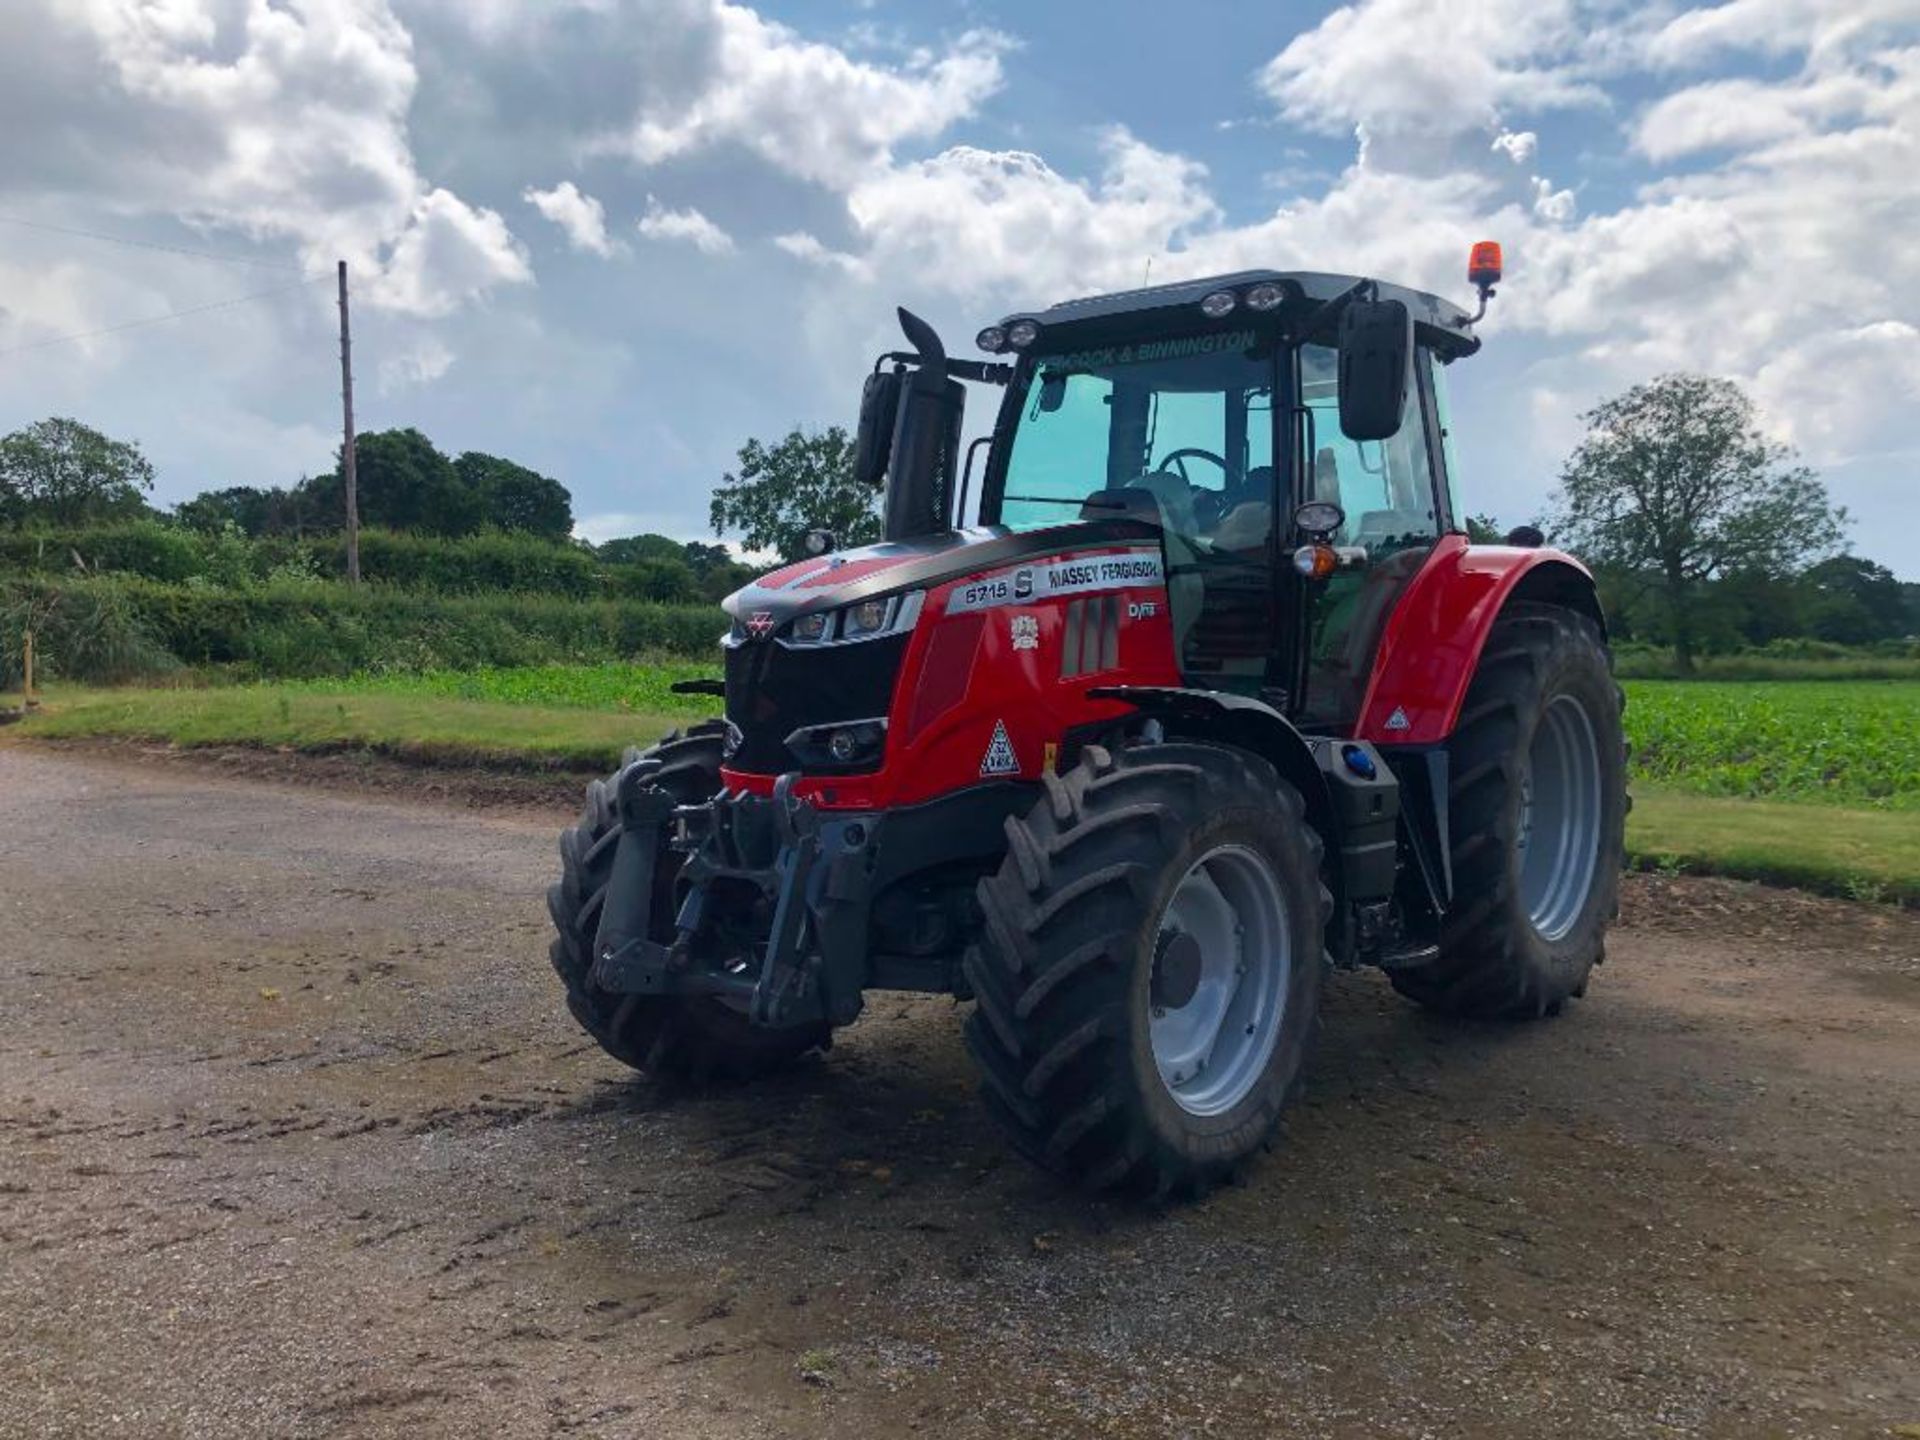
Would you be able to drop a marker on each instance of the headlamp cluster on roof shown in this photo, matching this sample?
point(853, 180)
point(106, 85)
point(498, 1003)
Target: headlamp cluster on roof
point(1261, 298)
point(1217, 305)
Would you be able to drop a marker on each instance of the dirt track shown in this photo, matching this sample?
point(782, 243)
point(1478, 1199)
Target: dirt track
point(296, 1139)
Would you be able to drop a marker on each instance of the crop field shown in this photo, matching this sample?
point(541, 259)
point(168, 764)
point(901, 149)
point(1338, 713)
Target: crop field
point(1851, 743)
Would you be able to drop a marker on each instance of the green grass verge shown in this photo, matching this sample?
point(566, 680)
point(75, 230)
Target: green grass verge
point(1859, 854)
point(615, 685)
point(587, 715)
point(411, 726)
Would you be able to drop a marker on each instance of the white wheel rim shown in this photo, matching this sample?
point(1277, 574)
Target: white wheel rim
point(1212, 1050)
point(1559, 838)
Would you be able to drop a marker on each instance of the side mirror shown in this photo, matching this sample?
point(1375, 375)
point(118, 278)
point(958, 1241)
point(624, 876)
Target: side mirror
point(1376, 354)
point(873, 437)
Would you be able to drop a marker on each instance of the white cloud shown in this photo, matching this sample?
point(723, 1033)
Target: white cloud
point(688, 226)
point(1779, 27)
point(1519, 146)
point(450, 252)
point(1411, 69)
point(804, 246)
point(283, 121)
point(579, 215)
point(1554, 206)
point(410, 366)
point(809, 109)
point(975, 221)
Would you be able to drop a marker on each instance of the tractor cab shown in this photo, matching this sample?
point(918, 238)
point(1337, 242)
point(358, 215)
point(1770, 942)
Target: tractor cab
point(1210, 411)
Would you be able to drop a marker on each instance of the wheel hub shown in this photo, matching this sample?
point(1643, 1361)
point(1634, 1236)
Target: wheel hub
point(1176, 970)
point(1223, 961)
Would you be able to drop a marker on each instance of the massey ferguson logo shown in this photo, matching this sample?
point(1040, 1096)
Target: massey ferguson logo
point(760, 624)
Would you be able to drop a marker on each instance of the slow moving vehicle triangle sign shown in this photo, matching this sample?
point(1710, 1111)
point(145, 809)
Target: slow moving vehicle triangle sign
point(1000, 759)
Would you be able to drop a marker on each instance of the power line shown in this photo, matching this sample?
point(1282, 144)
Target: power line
point(151, 245)
point(160, 319)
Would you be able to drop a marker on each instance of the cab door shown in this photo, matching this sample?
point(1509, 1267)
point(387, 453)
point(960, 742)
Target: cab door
point(1394, 497)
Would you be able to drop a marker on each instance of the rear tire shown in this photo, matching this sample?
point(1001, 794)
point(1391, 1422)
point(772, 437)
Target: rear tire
point(1537, 804)
point(1134, 1031)
point(670, 1038)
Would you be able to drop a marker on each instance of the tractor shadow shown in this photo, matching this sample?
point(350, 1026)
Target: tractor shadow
point(884, 1136)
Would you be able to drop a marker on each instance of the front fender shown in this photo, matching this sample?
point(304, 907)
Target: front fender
point(1433, 639)
point(1237, 720)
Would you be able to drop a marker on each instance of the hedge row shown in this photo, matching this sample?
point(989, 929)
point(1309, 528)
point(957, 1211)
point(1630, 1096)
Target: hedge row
point(471, 565)
point(113, 628)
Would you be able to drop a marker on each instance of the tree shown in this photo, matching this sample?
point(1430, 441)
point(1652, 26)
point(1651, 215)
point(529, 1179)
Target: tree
point(1676, 480)
point(642, 549)
point(1485, 530)
point(785, 490)
point(254, 510)
point(404, 484)
point(516, 498)
point(60, 472)
point(1854, 601)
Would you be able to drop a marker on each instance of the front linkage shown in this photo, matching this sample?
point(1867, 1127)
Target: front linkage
point(811, 871)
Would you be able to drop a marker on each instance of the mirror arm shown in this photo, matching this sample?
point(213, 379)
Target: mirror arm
point(984, 371)
point(1329, 311)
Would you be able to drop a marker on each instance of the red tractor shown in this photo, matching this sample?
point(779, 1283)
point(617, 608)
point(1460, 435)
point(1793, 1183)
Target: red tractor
point(1213, 696)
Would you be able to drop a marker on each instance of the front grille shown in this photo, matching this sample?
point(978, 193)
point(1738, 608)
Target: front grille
point(773, 691)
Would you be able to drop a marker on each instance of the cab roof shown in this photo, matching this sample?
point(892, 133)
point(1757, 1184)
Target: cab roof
point(1439, 323)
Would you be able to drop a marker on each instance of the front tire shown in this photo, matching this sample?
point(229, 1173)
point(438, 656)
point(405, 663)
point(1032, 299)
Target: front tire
point(1537, 808)
point(1148, 975)
point(698, 1038)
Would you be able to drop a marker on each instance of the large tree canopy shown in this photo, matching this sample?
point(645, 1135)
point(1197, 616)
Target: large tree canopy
point(60, 472)
point(785, 490)
point(404, 483)
point(1676, 481)
point(516, 498)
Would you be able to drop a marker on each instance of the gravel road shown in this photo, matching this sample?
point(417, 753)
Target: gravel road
point(296, 1139)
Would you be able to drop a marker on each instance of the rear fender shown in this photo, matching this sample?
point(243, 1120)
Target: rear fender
point(1433, 639)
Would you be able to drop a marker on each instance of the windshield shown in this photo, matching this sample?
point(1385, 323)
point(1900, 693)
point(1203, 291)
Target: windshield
point(1186, 421)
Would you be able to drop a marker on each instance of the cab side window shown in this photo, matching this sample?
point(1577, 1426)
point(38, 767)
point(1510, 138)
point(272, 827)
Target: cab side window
point(1385, 486)
point(1387, 490)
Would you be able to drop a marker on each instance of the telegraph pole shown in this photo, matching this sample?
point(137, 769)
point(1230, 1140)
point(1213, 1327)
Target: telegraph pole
point(347, 476)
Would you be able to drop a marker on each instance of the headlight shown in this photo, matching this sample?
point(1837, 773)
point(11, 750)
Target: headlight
point(867, 618)
point(992, 339)
point(862, 620)
point(843, 744)
point(1022, 333)
point(1265, 296)
point(1218, 304)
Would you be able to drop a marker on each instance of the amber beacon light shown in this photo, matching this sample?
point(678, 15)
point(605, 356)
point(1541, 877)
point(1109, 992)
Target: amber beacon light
point(1483, 265)
point(1483, 273)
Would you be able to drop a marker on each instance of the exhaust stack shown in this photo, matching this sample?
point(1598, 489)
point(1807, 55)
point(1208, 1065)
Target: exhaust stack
point(926, 439)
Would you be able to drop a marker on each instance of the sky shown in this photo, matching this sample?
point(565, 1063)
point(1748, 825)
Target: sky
point(613, 239)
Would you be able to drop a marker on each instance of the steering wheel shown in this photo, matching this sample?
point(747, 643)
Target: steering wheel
point(1178, 458)
point(1208, 505)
